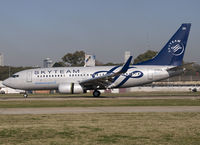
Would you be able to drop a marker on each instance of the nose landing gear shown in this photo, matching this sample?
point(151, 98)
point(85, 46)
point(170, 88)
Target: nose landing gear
point(25, 95)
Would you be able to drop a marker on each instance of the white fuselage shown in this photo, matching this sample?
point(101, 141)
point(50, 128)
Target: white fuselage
point(51, 78)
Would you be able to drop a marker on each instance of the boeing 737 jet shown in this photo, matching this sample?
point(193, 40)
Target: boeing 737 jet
point(71, 80)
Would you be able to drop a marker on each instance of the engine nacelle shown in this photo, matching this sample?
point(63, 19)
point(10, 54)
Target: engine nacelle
point(70, 88)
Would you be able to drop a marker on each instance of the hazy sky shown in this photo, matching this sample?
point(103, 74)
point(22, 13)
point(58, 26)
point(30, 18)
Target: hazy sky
point(31, 30)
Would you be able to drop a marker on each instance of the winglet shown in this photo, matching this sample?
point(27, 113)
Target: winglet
point(126, 65)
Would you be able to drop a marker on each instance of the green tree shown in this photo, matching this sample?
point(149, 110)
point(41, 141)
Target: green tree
point(74, 59)
point(145, 56)
point(59, 64)
point(112, 64)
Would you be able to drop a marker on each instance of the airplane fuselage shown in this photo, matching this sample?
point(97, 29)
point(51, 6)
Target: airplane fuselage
point(51, 78)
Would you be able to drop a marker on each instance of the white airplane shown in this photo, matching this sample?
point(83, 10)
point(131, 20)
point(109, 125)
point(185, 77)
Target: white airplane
point(71, 80)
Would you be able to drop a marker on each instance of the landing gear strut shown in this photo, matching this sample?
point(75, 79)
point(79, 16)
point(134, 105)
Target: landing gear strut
point(25, 95)
point(96, 93)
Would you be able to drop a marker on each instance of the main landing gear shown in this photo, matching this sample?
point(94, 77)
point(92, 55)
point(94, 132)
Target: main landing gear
point(96, 93)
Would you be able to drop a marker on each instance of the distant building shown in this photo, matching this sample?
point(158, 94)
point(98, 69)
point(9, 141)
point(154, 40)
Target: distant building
point(47, 62)
point(1, 60)
point(126, 55)
point(89, 60)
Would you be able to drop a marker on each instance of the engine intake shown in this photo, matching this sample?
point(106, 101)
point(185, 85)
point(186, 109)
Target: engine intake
point(70, 88)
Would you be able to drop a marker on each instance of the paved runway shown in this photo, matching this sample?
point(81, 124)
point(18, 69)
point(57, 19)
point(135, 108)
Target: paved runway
point(61, 110)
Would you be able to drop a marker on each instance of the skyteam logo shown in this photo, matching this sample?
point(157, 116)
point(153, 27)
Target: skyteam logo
point(135, 74)
point(127, 76)
point(176, 47)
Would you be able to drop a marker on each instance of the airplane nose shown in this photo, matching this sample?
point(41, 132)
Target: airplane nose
point(6, 82)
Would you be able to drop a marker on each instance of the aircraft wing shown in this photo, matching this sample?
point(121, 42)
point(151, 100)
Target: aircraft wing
point(106, 80)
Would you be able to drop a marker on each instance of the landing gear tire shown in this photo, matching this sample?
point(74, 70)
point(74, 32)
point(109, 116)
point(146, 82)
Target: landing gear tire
point(96, 93)
point(25, 95)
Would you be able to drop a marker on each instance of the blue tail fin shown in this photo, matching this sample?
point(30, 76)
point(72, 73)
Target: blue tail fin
point(173, 52)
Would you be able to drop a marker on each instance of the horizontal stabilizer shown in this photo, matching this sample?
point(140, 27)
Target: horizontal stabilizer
point(181, 67)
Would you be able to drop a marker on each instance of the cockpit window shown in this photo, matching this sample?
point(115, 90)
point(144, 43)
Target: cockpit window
point(15, 76)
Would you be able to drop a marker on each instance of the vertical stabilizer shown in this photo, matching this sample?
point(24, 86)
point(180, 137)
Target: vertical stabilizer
point(172, 53)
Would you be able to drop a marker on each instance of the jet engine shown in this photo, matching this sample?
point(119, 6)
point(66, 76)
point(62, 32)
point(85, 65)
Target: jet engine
point(70, 88)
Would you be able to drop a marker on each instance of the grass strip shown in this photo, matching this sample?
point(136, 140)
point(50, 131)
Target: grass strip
point(102, 128)
point(99, 103)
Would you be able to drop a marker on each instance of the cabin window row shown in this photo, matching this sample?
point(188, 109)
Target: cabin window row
point(49, 76)
point(83, 75)
point(70, 75)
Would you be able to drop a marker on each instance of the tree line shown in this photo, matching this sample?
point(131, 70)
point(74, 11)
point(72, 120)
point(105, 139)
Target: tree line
point(5, 71)
point(77, 59)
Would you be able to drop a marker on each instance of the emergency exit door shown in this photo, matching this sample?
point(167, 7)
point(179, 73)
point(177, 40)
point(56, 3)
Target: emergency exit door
point(150, 74)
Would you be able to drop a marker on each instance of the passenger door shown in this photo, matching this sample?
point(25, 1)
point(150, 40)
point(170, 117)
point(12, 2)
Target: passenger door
point(29, 76)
